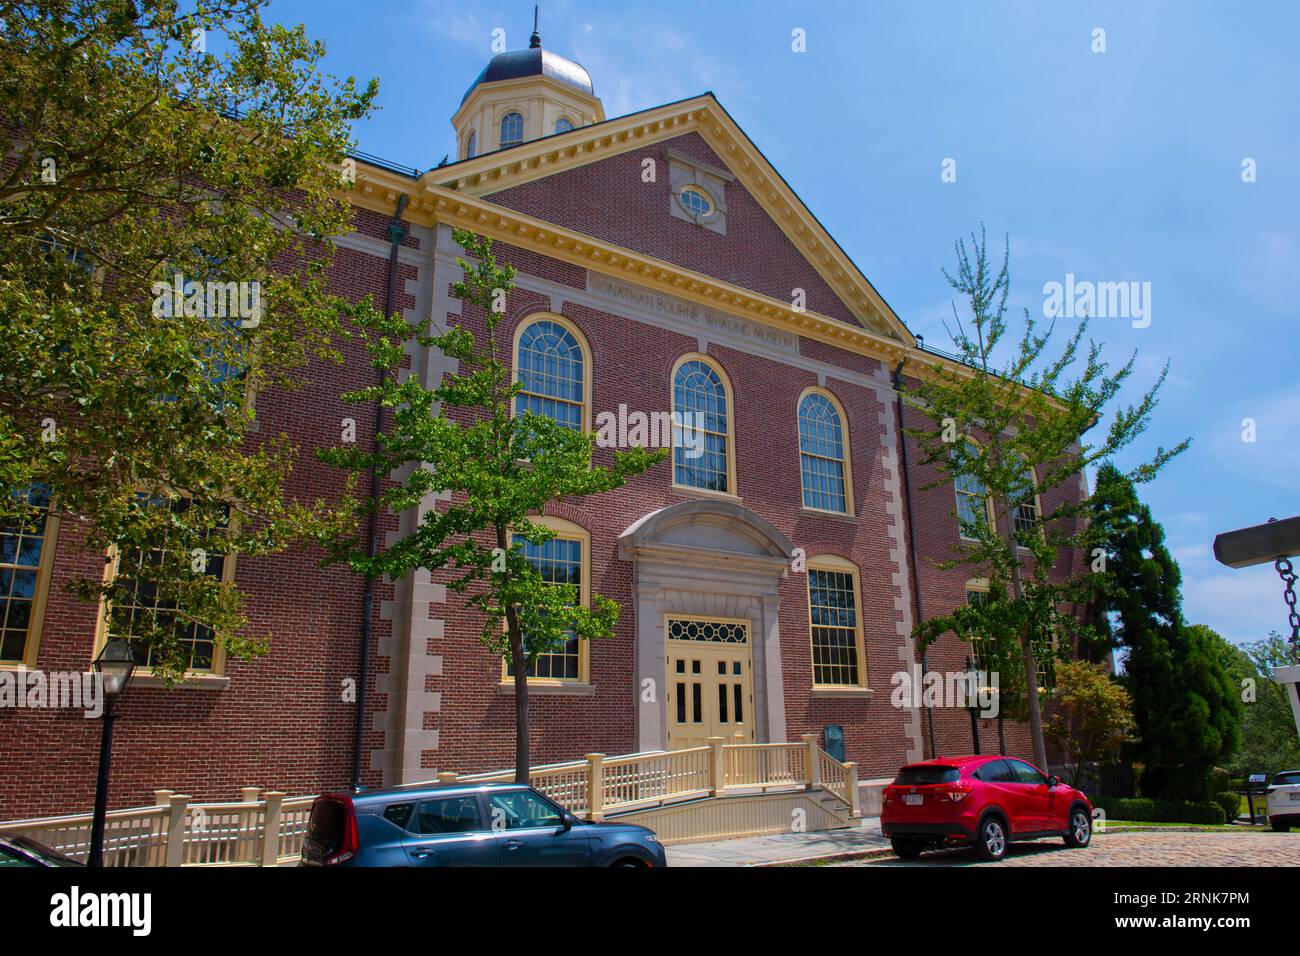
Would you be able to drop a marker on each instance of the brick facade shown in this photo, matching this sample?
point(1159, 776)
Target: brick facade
point(435, 695)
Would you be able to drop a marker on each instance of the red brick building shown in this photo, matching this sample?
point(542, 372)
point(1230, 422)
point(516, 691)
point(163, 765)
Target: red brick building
point(664, 266)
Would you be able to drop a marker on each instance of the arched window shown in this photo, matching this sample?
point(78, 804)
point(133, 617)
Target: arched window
point(563, 124)
point(512, 130)
point(702, 442)
point(1028, 512)
point(835, 624)
point(551, 366)
point(972, 498)
point(823, 454)
point(471, 145)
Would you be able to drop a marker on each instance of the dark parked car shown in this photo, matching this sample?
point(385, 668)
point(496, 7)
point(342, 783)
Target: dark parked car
point(986, 802)
point(484, 824)
point(23, 851)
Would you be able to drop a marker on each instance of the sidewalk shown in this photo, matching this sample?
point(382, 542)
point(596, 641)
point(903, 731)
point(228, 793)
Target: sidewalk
point(782, 848)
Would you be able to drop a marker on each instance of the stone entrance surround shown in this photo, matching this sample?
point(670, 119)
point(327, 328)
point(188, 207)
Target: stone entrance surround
point(711, 557)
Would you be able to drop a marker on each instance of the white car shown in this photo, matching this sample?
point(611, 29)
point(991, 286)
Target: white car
point(1284, 800)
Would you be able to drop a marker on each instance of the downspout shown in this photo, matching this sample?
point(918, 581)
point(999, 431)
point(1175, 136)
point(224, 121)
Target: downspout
point(911, 539)
point(396, 233)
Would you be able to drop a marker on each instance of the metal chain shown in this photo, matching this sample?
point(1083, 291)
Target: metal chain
point(1283, 566)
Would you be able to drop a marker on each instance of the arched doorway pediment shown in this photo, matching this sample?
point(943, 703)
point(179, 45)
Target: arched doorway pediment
point(707, 531)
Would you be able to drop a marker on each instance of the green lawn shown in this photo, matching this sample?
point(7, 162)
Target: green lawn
point(1115, 824)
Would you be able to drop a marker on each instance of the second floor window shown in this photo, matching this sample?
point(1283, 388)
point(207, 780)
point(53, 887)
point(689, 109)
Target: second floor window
point(700, 403)
point(972, 500)
point(822, 454)
point(551, 369)
point(1026, 511)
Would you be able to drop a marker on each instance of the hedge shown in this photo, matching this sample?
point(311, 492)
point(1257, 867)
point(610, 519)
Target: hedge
point(1231, 803)
point(1147, 810)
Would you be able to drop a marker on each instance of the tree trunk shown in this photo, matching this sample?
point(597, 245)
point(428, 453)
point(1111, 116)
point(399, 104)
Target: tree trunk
point(522, 756)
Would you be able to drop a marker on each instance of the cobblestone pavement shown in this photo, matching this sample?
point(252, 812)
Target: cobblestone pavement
point(1174, 848)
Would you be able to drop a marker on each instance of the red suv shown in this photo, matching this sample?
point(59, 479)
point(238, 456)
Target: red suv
point(985, 801)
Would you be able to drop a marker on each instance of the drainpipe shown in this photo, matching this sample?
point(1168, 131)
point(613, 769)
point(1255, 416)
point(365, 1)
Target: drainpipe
point(396, 233)
point(911, 538)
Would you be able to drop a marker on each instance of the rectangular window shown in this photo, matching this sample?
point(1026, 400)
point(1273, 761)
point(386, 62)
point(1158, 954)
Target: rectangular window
point(559, 561)
point(24, 570)
point(833, 604)
point(1045, 662)
point(142, 609)
point(979, 649)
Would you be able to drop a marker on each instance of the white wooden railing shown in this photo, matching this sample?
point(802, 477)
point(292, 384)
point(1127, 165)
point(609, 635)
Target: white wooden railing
point(266, 829)
point(600, 785)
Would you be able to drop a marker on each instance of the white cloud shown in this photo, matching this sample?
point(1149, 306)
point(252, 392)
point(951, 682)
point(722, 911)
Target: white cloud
point(1242, 605)
point(1274, 457)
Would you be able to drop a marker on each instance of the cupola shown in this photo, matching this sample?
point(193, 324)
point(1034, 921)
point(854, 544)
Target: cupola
point(523, 95)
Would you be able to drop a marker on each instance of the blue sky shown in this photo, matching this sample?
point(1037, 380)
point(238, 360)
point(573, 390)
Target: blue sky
point(1117, 166)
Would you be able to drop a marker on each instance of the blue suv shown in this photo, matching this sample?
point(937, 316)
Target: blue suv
point(484, 824)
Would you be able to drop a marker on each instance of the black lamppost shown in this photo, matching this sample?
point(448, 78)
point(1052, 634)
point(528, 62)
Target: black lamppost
point(973, 681)
point(115, 665)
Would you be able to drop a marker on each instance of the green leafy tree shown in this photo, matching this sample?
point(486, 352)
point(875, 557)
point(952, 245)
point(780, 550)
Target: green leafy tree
point(1269, 741)
point(1094, 721)
point(136, 153)
point(1187, 707)
point(500, 469)
point(988, 425)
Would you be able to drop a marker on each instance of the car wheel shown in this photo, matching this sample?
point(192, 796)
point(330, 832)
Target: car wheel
point(906, 848)
point(991, 841)
point(1079, 832)
point(1279, 827)
point(634, 864)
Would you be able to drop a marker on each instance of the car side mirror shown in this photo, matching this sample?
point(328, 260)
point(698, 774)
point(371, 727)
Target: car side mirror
point(566, 821)
point(1053, 781)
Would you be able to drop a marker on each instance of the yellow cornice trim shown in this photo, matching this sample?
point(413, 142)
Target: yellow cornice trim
point(439, 205)
point(378, 189)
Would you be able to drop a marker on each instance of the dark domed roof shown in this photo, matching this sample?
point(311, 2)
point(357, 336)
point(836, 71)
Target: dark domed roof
point(533, 62)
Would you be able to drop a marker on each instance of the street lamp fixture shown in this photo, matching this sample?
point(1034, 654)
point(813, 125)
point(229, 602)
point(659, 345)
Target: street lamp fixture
point(115, 666)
